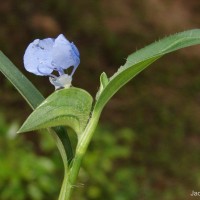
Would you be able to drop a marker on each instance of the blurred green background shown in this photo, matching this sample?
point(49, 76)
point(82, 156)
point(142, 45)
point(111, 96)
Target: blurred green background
point(147, 144)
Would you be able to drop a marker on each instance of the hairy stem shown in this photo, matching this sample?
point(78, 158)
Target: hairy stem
point(83, 142)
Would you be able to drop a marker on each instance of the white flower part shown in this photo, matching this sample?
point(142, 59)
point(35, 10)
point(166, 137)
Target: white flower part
point(63, 81)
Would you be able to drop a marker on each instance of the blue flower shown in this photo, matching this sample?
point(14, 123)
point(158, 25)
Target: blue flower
point(42, 57)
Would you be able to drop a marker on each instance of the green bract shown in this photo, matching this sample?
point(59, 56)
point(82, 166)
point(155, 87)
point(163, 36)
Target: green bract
point(70, 107)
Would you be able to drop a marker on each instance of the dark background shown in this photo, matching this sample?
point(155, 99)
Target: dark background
point(147, 146)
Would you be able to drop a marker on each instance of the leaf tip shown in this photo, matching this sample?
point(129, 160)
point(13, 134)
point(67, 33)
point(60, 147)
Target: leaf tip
point(25, 128)
point(22, 130)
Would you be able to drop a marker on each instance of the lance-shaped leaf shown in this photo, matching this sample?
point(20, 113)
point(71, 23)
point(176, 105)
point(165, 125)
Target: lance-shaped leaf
point(70, 107)
point(141, 59)
point(34, 98)
point(20, 82)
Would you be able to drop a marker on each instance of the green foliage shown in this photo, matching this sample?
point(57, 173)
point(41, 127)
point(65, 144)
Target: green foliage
point(23, 174)
point(119, 164)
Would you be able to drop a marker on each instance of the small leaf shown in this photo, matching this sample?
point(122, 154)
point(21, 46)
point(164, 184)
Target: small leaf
point(103, 83)
point(104, 79)
point(70, 107)
point(141, 59)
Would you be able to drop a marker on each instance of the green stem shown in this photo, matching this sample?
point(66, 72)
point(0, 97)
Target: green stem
point(63, 188)
point(70, 179)
point(83, 142)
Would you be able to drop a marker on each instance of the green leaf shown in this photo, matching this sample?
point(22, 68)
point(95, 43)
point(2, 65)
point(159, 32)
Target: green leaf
point(141, 59)
point(21, 83)
point(70, 107)
point(34, 98)
point(103, 83)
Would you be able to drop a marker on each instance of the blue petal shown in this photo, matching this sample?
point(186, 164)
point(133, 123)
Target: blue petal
point(75, 49)
point(43, 56)
point(38, 57)
point(65, 54)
